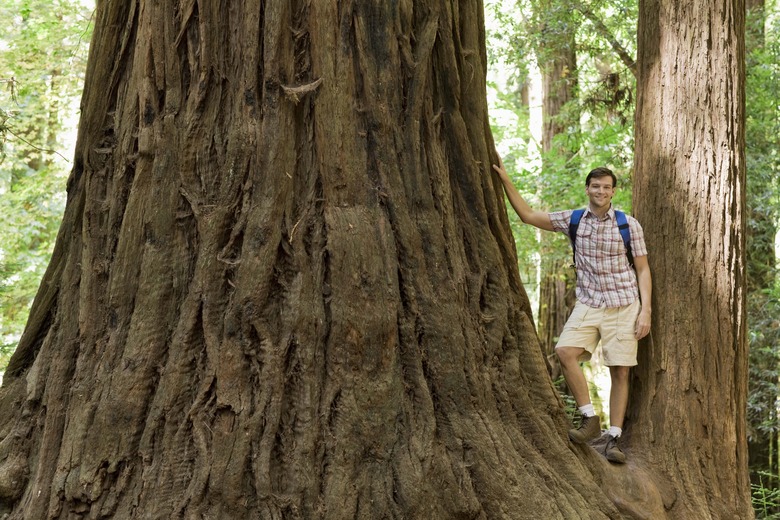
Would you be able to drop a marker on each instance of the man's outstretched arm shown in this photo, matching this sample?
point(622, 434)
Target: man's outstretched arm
point(528, 215)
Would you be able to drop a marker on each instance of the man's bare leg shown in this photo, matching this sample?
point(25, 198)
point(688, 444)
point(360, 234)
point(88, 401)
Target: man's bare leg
point(618, 395)
point(618, 400)
point(572, 372)
point(590, 427)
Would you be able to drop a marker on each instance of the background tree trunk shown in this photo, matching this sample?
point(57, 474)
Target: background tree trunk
point(557, 59)
point(687, 410)
point(284, 286)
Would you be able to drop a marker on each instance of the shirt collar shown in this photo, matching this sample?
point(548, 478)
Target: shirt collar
point(610, 212)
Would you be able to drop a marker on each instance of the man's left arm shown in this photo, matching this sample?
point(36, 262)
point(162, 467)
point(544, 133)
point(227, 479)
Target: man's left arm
point(645, 282)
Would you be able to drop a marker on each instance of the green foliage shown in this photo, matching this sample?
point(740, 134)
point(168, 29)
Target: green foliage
point(764, 339)
point(766, 497)
point(569, 404)
point(508, 49)
point(42, 62)
point(521, 36)
point(763, 165)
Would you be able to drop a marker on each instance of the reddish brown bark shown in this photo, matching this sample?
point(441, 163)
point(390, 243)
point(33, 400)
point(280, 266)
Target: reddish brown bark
point(687, 410)
point(285, 286)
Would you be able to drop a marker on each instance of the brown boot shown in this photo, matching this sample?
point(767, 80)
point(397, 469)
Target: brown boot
point(613, 452)
point(589, 429)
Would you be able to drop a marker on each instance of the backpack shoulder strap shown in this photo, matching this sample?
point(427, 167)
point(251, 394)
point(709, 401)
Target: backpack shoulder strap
point(625, 233)
point(574, 223)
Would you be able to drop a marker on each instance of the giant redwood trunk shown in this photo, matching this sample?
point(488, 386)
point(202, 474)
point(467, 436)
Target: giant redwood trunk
point(284, 286)
point(687, 416)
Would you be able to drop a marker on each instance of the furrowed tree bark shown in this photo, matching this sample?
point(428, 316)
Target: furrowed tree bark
point(285, 286)
point(687, 409)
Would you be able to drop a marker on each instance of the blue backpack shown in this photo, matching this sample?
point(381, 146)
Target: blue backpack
point(622, 223)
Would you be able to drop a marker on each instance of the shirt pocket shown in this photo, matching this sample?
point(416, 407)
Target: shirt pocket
point(613, 243)
point(584, 238)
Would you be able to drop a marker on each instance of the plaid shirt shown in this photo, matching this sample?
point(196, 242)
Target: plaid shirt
point(604, 277)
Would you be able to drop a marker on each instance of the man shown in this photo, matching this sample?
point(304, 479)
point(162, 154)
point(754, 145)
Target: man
point(608, 304)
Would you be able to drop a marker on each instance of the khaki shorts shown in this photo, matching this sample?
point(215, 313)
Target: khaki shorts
point(613, 326)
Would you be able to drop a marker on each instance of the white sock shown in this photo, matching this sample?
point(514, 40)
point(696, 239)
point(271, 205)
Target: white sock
point(588, 410)
point(615, 431)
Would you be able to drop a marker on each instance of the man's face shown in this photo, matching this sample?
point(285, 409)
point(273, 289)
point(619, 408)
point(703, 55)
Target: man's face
point(600, 192)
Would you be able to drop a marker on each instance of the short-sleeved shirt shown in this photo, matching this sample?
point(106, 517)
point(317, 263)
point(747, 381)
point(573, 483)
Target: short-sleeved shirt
point(604, 276)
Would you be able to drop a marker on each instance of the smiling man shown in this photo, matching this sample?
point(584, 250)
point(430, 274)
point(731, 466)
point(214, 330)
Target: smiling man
point(613, 297)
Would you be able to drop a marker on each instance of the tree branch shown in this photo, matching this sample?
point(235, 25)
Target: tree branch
point(605, 33)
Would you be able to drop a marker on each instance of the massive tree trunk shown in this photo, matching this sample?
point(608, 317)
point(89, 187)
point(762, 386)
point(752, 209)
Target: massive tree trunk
point(687, 409)
point(284, 286)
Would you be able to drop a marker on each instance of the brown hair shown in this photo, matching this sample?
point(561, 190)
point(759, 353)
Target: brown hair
point(599, 172)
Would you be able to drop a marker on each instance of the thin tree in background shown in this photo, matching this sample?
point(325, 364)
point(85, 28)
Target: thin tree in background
point(556, 54)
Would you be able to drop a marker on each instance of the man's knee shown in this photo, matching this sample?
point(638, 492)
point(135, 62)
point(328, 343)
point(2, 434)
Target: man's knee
point(619, 374)
point(568, 355)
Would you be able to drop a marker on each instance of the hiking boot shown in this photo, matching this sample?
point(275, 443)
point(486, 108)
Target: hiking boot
point(612, 451)
point(589, 429)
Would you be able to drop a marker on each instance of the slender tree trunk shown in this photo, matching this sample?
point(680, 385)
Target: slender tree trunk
point(687, 410)
point(285, 286)
point(556, 300)
point(558, 63)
